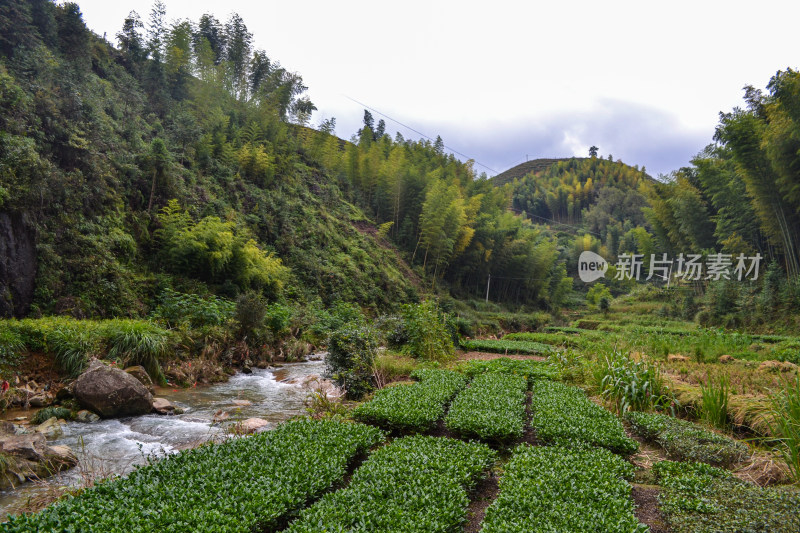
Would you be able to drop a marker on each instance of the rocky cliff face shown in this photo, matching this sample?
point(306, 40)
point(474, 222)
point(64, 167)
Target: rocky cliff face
point(17, 265)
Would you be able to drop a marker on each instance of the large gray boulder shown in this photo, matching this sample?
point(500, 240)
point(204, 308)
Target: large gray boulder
point(111, 392)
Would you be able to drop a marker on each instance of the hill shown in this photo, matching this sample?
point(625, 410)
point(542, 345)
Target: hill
point(523, 169)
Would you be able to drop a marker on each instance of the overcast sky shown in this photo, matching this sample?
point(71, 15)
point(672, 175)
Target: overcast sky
point(501, 81)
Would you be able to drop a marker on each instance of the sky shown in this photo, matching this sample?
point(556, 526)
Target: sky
point(505, 81)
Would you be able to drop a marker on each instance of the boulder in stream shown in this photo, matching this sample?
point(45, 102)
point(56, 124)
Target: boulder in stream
point(29, 457)
point(111, 392)
point(163, 406)
point(141, 374)
point(251, 425)
point(86, 416)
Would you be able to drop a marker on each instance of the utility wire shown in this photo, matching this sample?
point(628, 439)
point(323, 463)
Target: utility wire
point(419, 133)
point(576, 228)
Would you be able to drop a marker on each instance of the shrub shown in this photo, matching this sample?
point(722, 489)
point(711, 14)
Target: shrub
point(338, 316)
point(564, 412)
point(177, 308)
point(138, 343)
point(426, 329)
point(351, 359)
point(247, 484)
point(11, 348)
point(685, 441)
point(571, 488)
point(417, 484)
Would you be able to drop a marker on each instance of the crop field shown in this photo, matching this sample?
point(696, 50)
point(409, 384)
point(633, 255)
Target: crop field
point(416, 483)
point(492, 408)
point(571, 488)
point(247, 484)
point(564, 412)
point(533, 370)
point(414, 407)
point(507, 347)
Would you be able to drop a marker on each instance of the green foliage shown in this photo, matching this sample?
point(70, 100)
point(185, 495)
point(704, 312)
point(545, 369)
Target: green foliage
point(685, 441)
point(215, 251)
point(414, 407)
point(351, 358)
point(73, 342)
point(242, 485)
point(785, 411)
point(336, 317)
point(631, 385)
point(714, 405)
point(564, 412)
point(570, 488)
point(425, 328)
point(418, 484)
point(698, 497)
point(596, 293)
point(531, 369)
point(177, 308)
point(492, 408)
point(49, 412)
point(137, 343)
point(506, 346)
point(11, 348)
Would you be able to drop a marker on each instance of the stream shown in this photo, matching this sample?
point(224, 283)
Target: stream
point(115, 446)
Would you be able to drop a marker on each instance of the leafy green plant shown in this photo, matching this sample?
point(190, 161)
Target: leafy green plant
point(564, 412)
point(417, 484)
point(685, 441)
point(492, 408)
point(785, 411)
point(414, 407)
point(533, 370)
point(50, 412)
point(714, 406)
point(246, 484)
point(507, 347)
point(568, 488)
point(631, 385)
point(698, 497)
point(351, 358)
point(176, 308)
point(425, 327)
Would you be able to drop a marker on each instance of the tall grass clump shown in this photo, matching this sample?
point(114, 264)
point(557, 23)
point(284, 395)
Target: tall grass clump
point(11, 347)
point(785, 427)
point(137, 343)
point(73, 345)
point(631, 385)
point(714, 404)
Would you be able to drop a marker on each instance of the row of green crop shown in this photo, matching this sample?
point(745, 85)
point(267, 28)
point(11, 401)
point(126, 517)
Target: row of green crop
point(533, 370)
point(573, 488)
point(698, 497)
point(414, 407)
point(73, 342)
point(505, 346)
point(417, 483)
point(685, 441)
point(492, 408)
point(243, 485)
point(564, 412)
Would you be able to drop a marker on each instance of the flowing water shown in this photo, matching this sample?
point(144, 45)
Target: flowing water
point(114, 446)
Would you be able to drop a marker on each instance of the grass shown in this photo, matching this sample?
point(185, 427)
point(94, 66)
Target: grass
point(714, 406)
point(786, 426)
point(73, 342)
point(631, 385)
point(507, 347)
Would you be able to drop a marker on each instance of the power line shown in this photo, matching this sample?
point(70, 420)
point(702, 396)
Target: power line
point(576, 228)
point(419, 133)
